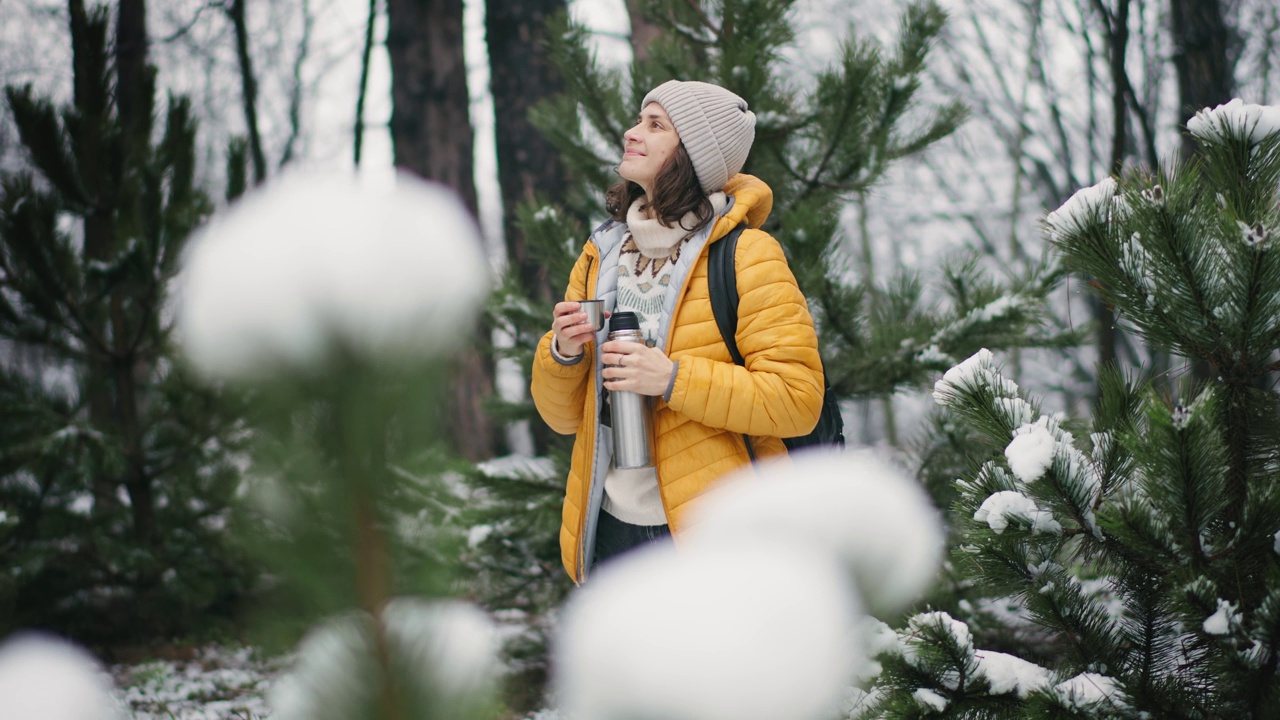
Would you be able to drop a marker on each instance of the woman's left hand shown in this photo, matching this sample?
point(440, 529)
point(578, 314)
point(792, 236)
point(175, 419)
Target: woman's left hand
point(636, 368)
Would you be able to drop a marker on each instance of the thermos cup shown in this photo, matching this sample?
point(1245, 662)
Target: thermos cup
point(595, 313)
point(632, 438)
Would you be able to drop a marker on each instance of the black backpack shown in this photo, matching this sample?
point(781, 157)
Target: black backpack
point(722, 277)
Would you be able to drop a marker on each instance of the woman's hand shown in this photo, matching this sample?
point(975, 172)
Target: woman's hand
point(636, 368)
point(571, 328)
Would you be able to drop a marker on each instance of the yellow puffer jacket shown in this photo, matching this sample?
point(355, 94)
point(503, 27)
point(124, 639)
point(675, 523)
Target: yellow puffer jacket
point(698, 432)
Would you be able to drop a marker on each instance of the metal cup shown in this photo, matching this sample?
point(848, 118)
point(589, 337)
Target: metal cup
point(595, 313)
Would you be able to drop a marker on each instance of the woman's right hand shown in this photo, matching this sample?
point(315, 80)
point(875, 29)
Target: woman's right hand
point(571, 328)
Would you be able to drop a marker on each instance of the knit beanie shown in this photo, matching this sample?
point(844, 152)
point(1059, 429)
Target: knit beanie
point(714, 124)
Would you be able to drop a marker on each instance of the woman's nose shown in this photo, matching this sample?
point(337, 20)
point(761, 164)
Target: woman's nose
point(631, 135)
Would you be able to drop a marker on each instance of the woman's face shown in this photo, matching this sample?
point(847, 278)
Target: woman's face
point(647, 146)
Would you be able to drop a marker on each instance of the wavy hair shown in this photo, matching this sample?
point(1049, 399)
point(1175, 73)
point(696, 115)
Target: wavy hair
point(676, 193)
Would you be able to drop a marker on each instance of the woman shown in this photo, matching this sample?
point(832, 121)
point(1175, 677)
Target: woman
point(680, 191)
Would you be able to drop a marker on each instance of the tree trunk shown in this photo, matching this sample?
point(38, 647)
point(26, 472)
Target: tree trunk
point(99, 239)
point(643, 32)
point(1117, 36)
point(431, 136)
point(134, 94)
point(1203, 59)
point(521, 75)
point(249, 89)
point(366, 56)
point(430, 119)
point(1202, 44)
point(133, 89)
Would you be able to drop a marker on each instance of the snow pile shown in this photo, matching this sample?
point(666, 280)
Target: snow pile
point(43, 677)
point(758, 614)
point(930, 700)
point(1220, 622)
point(1007, 673)
point(1252, 122)
point(316, 262)
point(1031, 452)
point(913, 637)
point(876, 519)
point(1080, 208)
point(756, 632)
point(1087, 691)
point(997, 509)
point(966, 374)
point(445, 653)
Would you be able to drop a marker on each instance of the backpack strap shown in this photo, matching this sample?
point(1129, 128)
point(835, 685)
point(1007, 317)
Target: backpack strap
point(722, 277)
point(722, 281)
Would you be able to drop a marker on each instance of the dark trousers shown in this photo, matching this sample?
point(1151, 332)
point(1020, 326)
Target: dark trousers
point(615, 538)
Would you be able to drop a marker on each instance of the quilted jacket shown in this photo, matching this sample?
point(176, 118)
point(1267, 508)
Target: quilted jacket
point(698, 433)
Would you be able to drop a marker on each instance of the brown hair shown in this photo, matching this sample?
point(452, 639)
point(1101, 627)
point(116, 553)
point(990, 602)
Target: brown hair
point(676, 192)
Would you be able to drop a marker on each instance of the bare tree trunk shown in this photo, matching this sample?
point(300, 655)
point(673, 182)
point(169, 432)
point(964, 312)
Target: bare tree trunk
point(1202, 57)
point(249, 89)
point(643, 32)
point(1117, 37)
point(1117, 22)
point(133, 91)
point(430, 115)
point(431, 136)
point(521, 75)
point(295, 91)
point(366, 54)
point(1202, 44)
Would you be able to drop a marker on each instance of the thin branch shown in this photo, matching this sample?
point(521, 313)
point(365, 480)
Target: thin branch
point(295, 92)
point(365, 56)
point(249, 82)
point(186, 28)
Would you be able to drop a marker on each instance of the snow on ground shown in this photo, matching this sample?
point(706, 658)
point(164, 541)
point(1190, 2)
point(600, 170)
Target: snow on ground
point(216, 683)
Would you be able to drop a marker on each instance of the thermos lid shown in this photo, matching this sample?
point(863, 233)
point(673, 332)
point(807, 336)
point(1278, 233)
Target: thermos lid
point(625, 320)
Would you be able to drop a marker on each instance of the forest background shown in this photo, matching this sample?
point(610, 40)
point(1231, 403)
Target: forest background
point(1058, 94)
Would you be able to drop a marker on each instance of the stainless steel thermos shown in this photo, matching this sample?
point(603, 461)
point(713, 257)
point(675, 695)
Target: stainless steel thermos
point(632, 437)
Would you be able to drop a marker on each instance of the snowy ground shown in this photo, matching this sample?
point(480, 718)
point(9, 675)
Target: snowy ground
point(215, 683)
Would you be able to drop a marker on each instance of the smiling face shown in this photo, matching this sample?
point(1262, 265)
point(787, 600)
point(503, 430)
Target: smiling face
point(648, 146)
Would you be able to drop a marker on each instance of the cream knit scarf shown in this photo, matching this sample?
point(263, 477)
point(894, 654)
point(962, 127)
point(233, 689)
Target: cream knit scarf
point(655, 240)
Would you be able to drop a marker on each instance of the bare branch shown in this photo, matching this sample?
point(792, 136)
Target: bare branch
point(365, 56)
point(295, 91)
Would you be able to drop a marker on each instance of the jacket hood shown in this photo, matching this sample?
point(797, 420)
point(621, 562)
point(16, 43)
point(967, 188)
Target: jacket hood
point(752, 202)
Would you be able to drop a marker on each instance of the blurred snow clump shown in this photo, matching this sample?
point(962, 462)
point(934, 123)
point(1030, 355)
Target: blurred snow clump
point(315, 261)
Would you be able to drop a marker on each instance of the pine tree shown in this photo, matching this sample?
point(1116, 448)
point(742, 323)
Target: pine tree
point(818, 146)
point(1135, 574)
point(115, 474)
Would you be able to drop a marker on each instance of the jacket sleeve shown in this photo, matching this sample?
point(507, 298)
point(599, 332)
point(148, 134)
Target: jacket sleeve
point(560, 391)
point(779, 391)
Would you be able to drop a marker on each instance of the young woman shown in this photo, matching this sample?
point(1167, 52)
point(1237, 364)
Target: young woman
point(680, 191)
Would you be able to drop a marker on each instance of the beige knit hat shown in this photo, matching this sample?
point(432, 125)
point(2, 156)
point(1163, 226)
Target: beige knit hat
point(714, 124)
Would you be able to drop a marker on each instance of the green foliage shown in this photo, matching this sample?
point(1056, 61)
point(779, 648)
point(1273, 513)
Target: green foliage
point(818, 145)
point(351, 497)
point(1145, 559)
point(116, 473)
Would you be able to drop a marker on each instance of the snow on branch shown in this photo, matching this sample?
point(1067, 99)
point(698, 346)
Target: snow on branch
point(1036, 449)
point(1086, 204)
point(1236, 119)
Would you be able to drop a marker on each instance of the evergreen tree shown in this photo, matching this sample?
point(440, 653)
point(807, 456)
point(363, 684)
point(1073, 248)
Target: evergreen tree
point(818, 145)
point(115, 474)
point(1135, 574)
